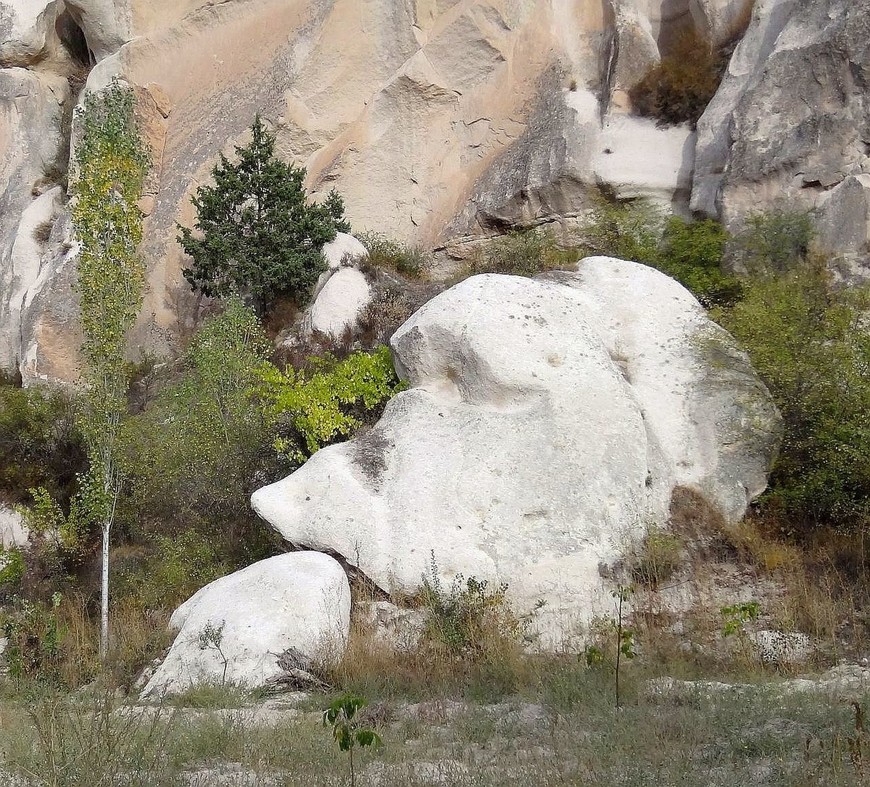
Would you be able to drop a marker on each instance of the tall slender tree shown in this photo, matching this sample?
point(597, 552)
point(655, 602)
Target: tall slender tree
point(111, 164)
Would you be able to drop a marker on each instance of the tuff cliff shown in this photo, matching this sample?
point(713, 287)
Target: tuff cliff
point(437, 120)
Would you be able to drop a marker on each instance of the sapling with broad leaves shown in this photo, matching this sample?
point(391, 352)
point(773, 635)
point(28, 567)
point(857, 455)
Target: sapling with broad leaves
point(347, 729)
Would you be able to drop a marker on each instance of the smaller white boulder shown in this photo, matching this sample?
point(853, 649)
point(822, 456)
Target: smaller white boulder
point(339, 303)
point(342, 250)
point(298, 601)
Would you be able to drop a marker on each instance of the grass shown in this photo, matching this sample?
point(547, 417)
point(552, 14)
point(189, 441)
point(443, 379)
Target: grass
point(571, 734)
point(522, 253)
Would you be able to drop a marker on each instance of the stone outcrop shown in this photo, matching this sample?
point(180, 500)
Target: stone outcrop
point(440, 122)
point(13, 531)
point(296, 603)
point(437, 120)
point(545, 426)
point(31, 136)
point(790, 125)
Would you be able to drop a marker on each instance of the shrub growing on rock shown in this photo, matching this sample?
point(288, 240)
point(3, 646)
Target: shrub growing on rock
point(690, 252)
point(327, 402)
point(521, 253)
point(410, 261)
point(679, 87)
point(257, 234)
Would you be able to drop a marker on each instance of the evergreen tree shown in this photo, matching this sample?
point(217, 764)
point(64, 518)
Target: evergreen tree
point(257, 235)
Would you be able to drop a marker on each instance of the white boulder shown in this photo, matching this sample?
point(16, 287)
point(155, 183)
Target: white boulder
point(342, 290)
point(299, 601)
point(545, 426)
point(339, 303)
point(342, 250)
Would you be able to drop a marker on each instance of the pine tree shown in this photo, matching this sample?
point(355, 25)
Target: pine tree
point(257, 234)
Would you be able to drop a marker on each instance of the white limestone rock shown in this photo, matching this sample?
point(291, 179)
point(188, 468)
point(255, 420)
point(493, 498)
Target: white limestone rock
point(781, 648)
point(342, 290)
point(636, 157)
point(298, 601)
point(718, 125)
point(344, 249)
point(339, 303)
point(545, 426)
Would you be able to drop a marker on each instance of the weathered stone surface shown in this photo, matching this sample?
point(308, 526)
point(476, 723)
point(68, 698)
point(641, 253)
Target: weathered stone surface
point(792, 118)
point(344, 249)
point(546, 424)
point(26, 31)
point(298, 601)
point(638, 158)
point(780, 648)
point(843, 223)
point(31, 108)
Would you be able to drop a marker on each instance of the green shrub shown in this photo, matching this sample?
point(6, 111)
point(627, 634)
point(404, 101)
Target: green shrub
point(521, 253)
point(773, 242)
point(327, 402)
point(180, 565)
point(33, 639)
point(809, 342)
point(629, 230)
point(470, 619)
point(659, 557)
point(679, 87)
point(40, 445)
point(691, 253)
point(411, 261)
point(200, 449)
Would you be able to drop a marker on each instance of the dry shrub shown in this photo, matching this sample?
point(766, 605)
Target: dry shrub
point(658, 558)
point(521, 253)
point(138, 636)
point(383, 315)
point(679, 87)
point(483, 658)
point(42, 231)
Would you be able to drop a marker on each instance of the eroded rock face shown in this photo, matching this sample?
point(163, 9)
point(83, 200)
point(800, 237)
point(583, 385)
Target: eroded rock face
point(26, 31)
point(546, 424)
point(298, 601)
point(791, 121)
point(31, 134)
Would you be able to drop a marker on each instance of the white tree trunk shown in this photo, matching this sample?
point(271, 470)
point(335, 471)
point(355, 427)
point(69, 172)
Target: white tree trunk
point(104, 593)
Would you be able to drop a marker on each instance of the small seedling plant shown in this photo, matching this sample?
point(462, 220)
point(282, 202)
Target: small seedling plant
point(347, 730)
point(624, 640)
point(212, 637)
point(735, 619)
